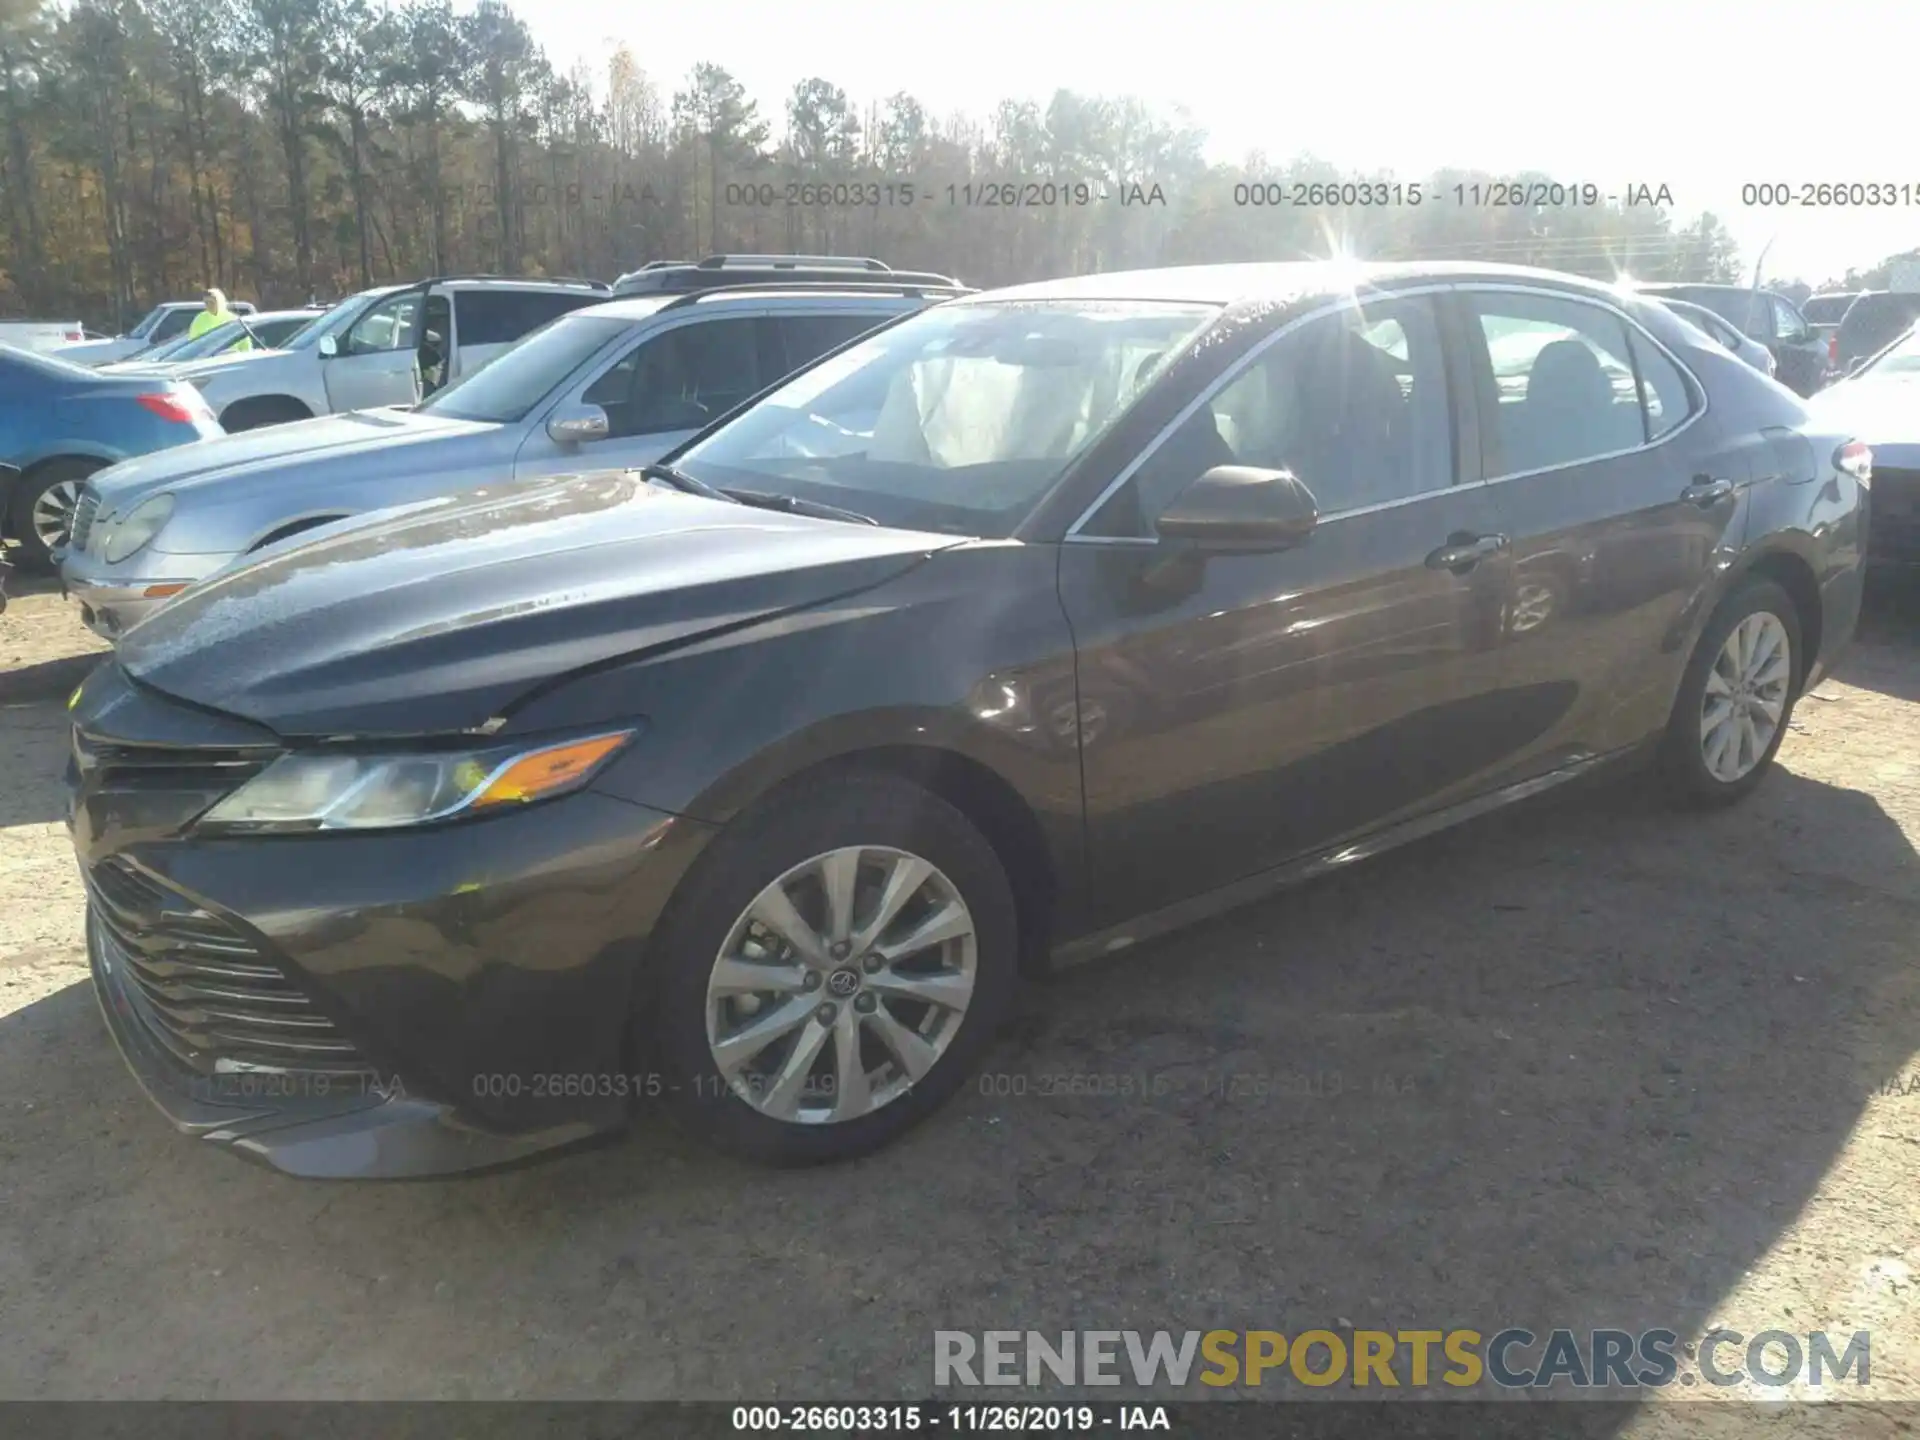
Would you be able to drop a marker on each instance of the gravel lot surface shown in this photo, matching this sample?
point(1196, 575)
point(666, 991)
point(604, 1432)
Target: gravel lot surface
point(1579, 1064)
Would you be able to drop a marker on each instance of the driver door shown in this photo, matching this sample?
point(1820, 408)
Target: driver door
point(660, 391)
point(377, 362)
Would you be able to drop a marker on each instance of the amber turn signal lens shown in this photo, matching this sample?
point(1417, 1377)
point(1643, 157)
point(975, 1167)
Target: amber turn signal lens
point(546, 771)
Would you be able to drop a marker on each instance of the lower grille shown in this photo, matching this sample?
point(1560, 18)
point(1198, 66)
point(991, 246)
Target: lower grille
point(206, 993)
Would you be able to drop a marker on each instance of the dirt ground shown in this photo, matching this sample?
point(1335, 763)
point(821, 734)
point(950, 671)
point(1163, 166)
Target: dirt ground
point(1577, 1065)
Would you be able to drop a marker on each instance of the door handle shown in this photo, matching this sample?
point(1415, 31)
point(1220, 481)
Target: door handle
point(1462, 552)
point(1706, 491)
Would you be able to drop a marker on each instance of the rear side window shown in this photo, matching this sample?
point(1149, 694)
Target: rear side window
point(1563, 383)
point(488, 317)
point(807, 337)
point(500, 317)
point(1354, 404)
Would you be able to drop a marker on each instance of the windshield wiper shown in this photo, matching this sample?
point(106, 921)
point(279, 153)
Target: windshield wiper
point(680, 480)
point(794, 505)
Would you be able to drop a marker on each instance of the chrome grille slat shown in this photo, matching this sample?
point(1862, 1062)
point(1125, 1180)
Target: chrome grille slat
point(84, 512)
point(204, 991)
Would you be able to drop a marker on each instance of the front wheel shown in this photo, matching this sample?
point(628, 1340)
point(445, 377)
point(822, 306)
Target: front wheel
point(832, 973)
point(43, 505)
point(1736, 698)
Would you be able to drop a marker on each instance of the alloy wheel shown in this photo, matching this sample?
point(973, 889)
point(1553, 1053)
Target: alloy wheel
point(841, 985)
point(1745, 697)
point(53, 513)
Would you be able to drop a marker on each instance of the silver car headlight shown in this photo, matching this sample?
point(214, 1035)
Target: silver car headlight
point(126, 537)
point(320, 791)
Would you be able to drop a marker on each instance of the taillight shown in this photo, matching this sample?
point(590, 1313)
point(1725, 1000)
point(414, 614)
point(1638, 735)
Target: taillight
point(171, 405)
point(1856, 458)
point(75, 335)
point(1833, 350)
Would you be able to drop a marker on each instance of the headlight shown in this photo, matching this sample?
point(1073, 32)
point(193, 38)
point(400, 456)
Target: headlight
point(377, 792)
point(129, 535)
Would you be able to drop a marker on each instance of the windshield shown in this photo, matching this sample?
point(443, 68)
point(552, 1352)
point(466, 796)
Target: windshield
point(337, 319)
point(507, 388)
point(178, 349)
point(208, 342)
point(957, 420)
point(147, 323)
point(1901, 358)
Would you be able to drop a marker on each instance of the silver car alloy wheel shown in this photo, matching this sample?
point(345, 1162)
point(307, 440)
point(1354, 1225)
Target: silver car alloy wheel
point(1746, 696)
point(53, 513)
point(841, 985)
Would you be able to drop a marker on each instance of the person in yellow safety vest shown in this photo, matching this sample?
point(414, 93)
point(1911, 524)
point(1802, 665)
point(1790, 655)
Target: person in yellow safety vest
point(216, 314)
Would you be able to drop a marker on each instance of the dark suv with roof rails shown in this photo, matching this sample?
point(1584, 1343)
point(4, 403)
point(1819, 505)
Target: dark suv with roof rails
point(676, 277)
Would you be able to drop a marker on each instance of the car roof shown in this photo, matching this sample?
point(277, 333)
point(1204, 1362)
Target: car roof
point(1283, 281)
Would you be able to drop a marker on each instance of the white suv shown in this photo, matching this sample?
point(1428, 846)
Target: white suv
point(387, 346)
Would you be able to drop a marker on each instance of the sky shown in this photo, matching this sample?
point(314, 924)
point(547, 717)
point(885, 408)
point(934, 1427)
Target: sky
point(1701, 97)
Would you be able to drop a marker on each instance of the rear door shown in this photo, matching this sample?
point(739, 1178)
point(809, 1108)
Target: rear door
point(378, 359)
point(1242, 711)
point(1618, 494)
point(662, 389)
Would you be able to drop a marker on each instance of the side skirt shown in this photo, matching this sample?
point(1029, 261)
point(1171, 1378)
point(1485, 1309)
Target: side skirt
point(1255, 887)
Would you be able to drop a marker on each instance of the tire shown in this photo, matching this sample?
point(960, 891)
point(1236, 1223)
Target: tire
point(887, 818)
point(34, 495)
point(1688, 748)
point(258, 414)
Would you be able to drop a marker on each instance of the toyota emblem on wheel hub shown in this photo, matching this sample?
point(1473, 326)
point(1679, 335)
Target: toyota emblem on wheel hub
point(843, 982)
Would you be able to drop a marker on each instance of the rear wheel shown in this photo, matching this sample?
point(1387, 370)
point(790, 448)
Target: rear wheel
point(832, 973)
point(1736, 698)
point(42, 511)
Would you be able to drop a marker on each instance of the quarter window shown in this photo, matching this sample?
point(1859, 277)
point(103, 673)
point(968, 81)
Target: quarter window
point(1353, 404)
point(1664, 393)
point(1562, 383)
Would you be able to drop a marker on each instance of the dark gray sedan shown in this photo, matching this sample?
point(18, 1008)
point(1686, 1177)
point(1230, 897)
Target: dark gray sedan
point(1028, 626)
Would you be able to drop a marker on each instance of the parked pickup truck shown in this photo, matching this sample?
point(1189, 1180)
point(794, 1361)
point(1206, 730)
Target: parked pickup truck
point(393, 345)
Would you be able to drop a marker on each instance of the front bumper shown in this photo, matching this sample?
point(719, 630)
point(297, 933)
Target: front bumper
point(385, 1006)
point(111, 607)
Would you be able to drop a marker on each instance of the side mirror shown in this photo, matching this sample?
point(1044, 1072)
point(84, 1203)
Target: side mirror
point(329, 347)
point(1239, 509)
point(578, 425)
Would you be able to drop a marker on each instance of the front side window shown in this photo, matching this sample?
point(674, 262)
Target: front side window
point(681, 379)
point(1786, 321)
point(393, 324)
point(506, 391)
point(1354, 405)
point(957, 420)
point(1563, 383)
